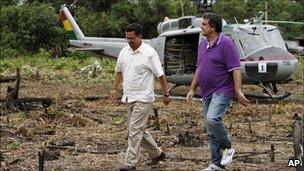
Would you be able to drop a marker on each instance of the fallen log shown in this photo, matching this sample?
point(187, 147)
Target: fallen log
point(15, 161)
point(22, 103)
point(94, 118)
point(7, 79)
point(81, 150)
point(45, 100)
point(250, 154)
point(94, 98)
point(181, 159)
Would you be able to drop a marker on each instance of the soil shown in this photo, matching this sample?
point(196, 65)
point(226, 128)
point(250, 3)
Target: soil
point(80, 134)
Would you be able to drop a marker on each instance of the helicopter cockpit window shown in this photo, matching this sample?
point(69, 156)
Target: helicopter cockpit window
point(251, 40)
point(276, 38)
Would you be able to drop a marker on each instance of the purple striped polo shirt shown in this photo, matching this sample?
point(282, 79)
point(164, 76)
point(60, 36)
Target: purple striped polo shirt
point(215, 66)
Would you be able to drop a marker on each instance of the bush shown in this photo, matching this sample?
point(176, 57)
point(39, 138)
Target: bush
point(8, 53)
point(28, 28)
point(4, 65)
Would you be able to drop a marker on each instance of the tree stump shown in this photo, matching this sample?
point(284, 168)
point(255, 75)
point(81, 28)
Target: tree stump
point(12, 100)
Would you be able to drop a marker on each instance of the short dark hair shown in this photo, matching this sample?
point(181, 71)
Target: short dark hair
point(137, 28)
point(214, 21)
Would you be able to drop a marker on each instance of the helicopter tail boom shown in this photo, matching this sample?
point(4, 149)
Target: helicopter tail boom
point(106, 47)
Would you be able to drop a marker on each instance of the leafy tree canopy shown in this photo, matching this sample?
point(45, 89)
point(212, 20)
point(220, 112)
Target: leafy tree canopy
point(28, 28)
point(28, 25)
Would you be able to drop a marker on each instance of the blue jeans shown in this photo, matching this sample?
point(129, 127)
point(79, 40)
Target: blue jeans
point(214, 111)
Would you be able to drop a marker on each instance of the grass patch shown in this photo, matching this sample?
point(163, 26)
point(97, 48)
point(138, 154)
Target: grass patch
point(298, 77)
point(67, 66)
point(15, 145)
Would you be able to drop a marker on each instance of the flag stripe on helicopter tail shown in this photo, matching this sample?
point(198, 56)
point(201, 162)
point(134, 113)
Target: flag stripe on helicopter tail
point(62, 15)
point(67, 26)
point(71, 35)
point(69, 30)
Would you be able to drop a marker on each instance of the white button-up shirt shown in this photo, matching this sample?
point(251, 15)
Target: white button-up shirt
point(138, 69)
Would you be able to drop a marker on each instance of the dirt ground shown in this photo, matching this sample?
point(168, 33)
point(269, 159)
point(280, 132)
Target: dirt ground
point(81, 133)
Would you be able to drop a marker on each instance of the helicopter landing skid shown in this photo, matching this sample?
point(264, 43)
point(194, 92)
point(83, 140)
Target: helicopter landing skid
point(268, 93)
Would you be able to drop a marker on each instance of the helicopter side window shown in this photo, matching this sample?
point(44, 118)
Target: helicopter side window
point(174, 24)
point(166, 27)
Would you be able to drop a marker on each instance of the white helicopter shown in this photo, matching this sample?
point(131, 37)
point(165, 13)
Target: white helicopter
point(264, 58)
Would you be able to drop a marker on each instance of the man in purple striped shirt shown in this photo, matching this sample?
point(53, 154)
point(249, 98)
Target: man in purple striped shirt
point(218, 74)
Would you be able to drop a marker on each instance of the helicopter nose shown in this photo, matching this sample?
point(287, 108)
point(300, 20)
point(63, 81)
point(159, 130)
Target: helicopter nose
point(270, 64)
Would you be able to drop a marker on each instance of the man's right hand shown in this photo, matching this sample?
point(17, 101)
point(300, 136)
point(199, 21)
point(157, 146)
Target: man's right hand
point(166, 100)
point(190, 96)
point(113, 93)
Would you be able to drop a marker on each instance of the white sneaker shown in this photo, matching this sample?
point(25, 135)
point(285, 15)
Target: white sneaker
point(213, 167)
point(227, 156)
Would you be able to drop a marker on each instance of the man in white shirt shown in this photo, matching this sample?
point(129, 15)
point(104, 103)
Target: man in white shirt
point(136, 66)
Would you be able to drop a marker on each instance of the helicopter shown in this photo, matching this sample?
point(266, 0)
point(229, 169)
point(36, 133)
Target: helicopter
point(264, 58)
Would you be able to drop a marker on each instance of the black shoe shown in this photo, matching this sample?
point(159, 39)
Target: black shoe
point(127, 168)
point(155, 161)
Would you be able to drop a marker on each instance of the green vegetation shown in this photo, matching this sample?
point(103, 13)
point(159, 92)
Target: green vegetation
point(31, 28)
point(301, 64)
point(15, 145)
point(27, 28)
point(299, 75)
point(45, 65)
point(283, 10)
point(29, 25)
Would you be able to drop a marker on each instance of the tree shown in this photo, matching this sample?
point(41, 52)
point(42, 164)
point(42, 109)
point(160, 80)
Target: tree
point(35, 24)
point(285, 10)
point(4, 3)
point(29, 28)
point(231, 10)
